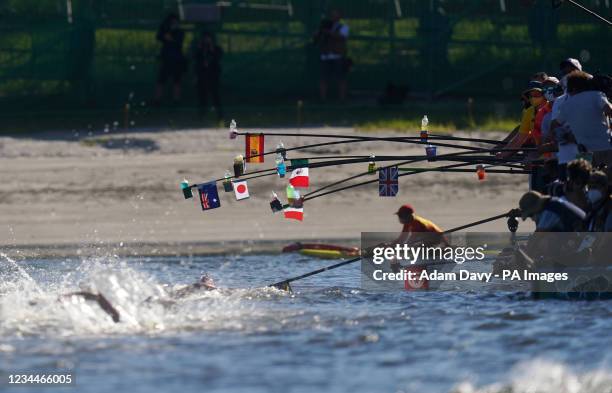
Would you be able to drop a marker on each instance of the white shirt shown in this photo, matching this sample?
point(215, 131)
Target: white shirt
point(567, 150)
point(584, 114)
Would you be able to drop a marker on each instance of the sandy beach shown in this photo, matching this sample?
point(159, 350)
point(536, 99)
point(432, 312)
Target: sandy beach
point(70, 194)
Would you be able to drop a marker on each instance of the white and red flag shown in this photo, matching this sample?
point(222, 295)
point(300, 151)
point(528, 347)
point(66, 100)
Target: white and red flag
point(299, 178)
point(241, 189)
point(293, 213)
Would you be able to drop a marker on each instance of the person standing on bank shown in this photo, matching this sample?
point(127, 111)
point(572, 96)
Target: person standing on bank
point(207, 58)
point(332, 38)
point(172, 62)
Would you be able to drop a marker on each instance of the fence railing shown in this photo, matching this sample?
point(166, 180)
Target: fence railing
point(84, 54)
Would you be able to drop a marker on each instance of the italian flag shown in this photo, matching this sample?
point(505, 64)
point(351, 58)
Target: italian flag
point(299, 178)
point(294, 214)
point(254, 147)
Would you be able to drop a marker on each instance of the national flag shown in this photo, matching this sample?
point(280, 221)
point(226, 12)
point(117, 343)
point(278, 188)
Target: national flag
point(388, 185)
point(254, 147)
point(293, 213)
point(209, 196)
point(299, 163)
point(276, 205)
point(299, 178)
point(241, 189)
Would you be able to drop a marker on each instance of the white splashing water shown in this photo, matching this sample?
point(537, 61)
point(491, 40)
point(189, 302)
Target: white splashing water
point(145, 307)
point(23, 279)
point(546, 376)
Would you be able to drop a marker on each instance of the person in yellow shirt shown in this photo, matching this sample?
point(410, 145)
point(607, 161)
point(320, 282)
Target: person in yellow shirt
point(524, 134)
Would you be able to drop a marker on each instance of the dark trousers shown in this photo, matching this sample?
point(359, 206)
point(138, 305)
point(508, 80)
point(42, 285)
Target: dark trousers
point(208, 85)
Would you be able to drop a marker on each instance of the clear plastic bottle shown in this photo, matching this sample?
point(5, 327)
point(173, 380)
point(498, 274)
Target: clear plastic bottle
point(280, 149)
point(227, 182)
point(424, 128)
point(233, 132)
point(372, 164)
point(281, 168)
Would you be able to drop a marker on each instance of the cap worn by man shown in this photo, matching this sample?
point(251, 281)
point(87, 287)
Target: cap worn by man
point(405, 210)
point(571, 62)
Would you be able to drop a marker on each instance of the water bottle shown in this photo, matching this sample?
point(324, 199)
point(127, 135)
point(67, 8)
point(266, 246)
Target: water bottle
point(227, 182)
point(292, 193)
point(186, 189)
point(238, 165)
point(480, 171)
point(424, 127)
point(233, 133)
point(372, 164)
point(280, 149)
point(281, 168)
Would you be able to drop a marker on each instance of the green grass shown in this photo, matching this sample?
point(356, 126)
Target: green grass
point(443, 116)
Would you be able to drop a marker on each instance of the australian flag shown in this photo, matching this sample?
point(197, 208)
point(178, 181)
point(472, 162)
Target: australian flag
point(388, 186)
point(209, 197)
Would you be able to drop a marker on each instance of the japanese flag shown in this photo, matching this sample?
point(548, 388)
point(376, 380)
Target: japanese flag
point(241, 190)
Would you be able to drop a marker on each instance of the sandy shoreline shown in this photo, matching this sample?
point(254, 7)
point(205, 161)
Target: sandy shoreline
point(65, 194)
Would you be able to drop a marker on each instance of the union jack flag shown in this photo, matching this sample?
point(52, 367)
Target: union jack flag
point(388, 185)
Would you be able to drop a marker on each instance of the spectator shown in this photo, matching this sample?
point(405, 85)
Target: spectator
point(563, 137)
point(207, 57)
point(586, 113)
point(551, 214)
point(540, 76)
point(578, 174)
point(551, 89)
point(172, 62)
point(599, 202)
point(332, 38)
point(569, 65)
point(542, 108)
point(523, 136)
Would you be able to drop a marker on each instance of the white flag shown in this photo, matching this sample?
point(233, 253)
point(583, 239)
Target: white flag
point(241, 189)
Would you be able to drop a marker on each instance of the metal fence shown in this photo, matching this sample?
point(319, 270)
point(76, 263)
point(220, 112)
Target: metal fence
point(78, 54)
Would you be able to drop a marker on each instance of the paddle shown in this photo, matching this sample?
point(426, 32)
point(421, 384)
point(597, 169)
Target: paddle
point(285, 284)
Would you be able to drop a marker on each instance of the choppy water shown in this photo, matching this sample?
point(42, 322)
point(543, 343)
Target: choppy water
point(328, 336)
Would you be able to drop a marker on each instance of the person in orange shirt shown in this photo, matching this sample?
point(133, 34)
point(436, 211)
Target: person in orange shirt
point(417, 229)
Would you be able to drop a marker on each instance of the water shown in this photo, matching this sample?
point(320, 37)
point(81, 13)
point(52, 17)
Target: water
point(328, 336)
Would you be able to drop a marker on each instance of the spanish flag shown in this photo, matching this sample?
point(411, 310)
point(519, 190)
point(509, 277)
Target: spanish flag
point(254, 147)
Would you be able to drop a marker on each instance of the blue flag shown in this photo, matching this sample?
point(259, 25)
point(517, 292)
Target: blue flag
point(388, 185)
point(209, 196)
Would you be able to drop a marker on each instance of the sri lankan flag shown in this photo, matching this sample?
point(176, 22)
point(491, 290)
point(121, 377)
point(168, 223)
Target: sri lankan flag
point(254, 144)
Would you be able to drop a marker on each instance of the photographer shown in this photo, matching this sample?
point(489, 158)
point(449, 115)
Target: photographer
point(332, 38)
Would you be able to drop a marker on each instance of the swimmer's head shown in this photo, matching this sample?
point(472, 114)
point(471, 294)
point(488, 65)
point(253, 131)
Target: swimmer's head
point(207, 281)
